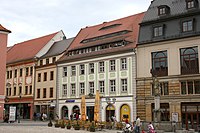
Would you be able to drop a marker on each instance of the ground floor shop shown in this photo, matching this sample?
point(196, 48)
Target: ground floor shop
point(121, 108)
point(45, 107)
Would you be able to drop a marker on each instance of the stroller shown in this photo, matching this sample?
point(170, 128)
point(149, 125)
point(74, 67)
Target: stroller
point(128, 128)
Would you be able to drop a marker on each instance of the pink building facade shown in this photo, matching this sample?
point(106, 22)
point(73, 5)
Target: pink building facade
point(3, 48)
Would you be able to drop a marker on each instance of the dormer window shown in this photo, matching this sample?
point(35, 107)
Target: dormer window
point(190, 4)
point(163, 10)
point(158, 31)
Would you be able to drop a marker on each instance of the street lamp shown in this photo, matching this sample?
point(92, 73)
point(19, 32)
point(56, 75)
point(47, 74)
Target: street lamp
point(20, 96)
point(110, 102)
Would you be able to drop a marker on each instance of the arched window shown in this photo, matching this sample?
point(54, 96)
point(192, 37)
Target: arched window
point(189, 60)
point(159, 63)
point(64, 114)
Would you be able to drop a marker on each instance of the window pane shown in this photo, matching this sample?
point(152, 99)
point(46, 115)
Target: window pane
point(190, 87)
point(183, 87)
point(197, 87)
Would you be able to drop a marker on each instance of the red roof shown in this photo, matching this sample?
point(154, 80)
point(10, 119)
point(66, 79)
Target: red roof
point(28, 49)
point(130, 24)
point(4, 29)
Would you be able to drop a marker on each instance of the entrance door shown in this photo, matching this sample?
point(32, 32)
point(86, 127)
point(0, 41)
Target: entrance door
point(90, 113)
point(110, 112)
point(191, 121)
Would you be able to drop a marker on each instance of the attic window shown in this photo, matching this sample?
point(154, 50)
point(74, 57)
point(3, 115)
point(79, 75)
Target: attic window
point(191, 4)
point(109, 26)
point(163, 10)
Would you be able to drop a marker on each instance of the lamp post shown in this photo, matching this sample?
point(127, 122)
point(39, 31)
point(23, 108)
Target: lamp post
point(20, 96)
point(156, 87)
point(110, 102)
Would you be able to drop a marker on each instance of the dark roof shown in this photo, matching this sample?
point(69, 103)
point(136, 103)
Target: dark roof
point(129, 24)
point(177, 7)
point(4, 29)
point(58, 47)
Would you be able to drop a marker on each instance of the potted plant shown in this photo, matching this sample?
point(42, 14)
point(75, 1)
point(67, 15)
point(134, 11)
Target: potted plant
point(62, 125)
point(57, 125)
point(69, 125)
point(92, 127)
point(77, 126)
point(50, 124)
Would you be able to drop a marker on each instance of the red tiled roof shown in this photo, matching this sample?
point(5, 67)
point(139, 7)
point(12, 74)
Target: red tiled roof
point(28, 49)
point(4, 29)
point(130, 24)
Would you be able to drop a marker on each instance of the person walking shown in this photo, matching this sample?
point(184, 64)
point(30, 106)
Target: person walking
point(138, 124)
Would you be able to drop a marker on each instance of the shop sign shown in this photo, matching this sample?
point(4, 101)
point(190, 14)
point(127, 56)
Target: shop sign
point(70, 101)
point(12, 113)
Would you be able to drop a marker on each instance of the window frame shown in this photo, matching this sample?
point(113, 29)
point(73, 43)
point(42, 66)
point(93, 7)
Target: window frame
point(73, 89)
point(91, 68)
point(51, 92)
point(123, 63)
point(64, 88)
point(186, 27)
point(82, 69)
point(82, 88)
point(102, 86)
point(101, 66)
point(65, 71)
point(91, 87)
point(112, 86)
point(73, 70)
point(124, 85)
point(112, 65)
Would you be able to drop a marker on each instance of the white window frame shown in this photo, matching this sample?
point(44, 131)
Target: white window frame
point(82, 88)
point(91, 87)
point(73, 70)
point(112, 65)
point(73, 89)
point(64, 71)
point(101, 86)
point(124, 85)
point(64, 87)
point(112, 86)
point(91, 68)
point(123, 63)
point(101, 66)
point(82, 69)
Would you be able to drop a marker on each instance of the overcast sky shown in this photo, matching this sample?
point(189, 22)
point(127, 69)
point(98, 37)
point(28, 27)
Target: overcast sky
point(28, 19)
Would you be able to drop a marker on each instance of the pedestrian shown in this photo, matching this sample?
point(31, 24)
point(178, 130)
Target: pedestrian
point(150, 128)
point(138, 124)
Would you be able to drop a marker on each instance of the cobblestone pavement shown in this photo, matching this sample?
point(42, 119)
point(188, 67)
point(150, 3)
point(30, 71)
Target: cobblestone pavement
point(40, 127)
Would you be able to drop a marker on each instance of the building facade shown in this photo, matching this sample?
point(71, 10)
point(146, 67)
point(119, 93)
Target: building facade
point(101, 57)
point(20, 73)
point(169, 47)
point(3, 48)
point(45, 82)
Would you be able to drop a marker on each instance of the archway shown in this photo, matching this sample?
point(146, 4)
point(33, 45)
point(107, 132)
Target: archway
point(125, 112)
point(64, 113)
point(110, 112)
point(76, 112)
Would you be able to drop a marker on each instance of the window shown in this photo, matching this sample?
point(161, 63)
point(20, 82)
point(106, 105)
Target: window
point(82, 69)
point(53, 59)
point(64, 71)
point(45, 76)
point(190, 87)
point(112, 65)
point(162, 11)
point(91, 87)
point(26, 90)
point(31, 70)
point(164, 90)
point(73, 89)
point(41, 62)
point(47, 61)
point(15, 73)
point(15, 91)
point(27, 69)
point(101, 86)
point(51, 93)
point(51, 75)
point(101, 66)
point(64, 89)
point(112, 85)
point(165, 115)
point(38, 93)
point(30, 89)
point(44, 92)
point(187, 26)
point(39, 77)
point(91, 68)
point(189, 60)
point(190, 4)
point(159, 63)
point(158, 31)
point(20, 90)
point(10, 74)
point(73, 70)
point(82, 88)
point(20, 72)
point(123, 64)
point(10, 91)
point(124, 85)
